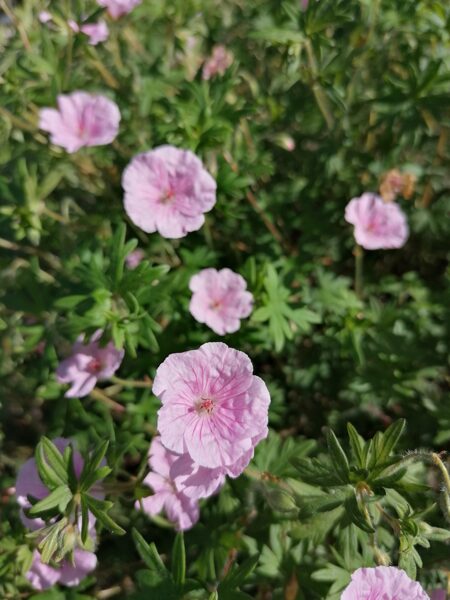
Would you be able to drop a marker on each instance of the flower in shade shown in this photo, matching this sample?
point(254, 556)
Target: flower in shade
point(217, 63)
point(42, 576)
point(82, 119)
point(220, 299)
point(168, 190)
point(28, 483)
point(193, 480)
point(96, 32)
point(181, 510)
point(135, 258)
point(213, 407)
point(88, 364)
point(377, 224)
point(383, 583)
point(438, 595)
point(118, 8)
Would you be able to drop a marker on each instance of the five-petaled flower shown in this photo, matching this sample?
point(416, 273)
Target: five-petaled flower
point(377, 224)
point(213, 407)
point(88, 364)
point(220, 299)
point(81, 120)
point(168, 190)
point(180, 509)
point(383, 583)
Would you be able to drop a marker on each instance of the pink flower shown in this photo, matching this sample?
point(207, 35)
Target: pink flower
point(217, 63)
point(179, 508)
point(213, 407)
point(44, 16)
point(42, 576)
point(220, 299)
point(383, 583)
point(81, 120)
point(168, 190)
point(377, 224)
point(88, 364)
point(194, 481)
point(96, 32)
point(29, 484)
point(134, 258)
point(118, 8)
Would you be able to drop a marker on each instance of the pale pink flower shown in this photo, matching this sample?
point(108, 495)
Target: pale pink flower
point(377, 224)
point(194, 481)
point(213, 407)
point(28, 483)
point(96, 32)
point(81, 120)
point(181, 510)
point(73, 25)
point(134, 258)
point(383, 583)
point(217, 63)
point(88, 364)
point(44, 16)
point(118, 8)
point(42, 576)
point(220, 299)
point(168, 190)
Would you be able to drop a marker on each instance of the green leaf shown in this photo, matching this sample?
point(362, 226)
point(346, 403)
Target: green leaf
point(338, 456)
point(179, 559)
point(98, 509)
point(357, 445)
point(89, 474)
point(150, 556)
point(390, 439)
point(237, 575)
point(59, 498)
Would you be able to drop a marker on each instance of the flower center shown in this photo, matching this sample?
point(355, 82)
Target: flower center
point(94, 366)
point(205, 405)
point(167, 196)
point(215, 305)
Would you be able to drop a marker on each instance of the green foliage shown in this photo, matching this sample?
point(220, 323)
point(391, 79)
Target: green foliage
point(317, 106)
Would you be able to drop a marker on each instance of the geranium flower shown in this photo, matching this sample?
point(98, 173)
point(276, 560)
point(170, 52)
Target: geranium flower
point(377, 224)
point(213, 407)
point(383, 583)
point(42, 576)
point(220, 299)
point(168, 190)
point(29, 483)
point(180, 509)
point(96, 32)
point(219, 61)
point(88, 364)
point(118, 8)
point(81, 120)
point(193, 480)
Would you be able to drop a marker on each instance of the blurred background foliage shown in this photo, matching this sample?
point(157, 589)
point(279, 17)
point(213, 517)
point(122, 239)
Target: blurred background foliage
point(316, 107)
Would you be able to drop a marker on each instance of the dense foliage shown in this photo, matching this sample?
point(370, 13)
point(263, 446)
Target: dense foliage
point(319, 103)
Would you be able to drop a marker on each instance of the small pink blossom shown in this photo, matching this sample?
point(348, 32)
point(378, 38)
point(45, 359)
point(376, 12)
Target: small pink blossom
point(383, 582)
point(213, 407)
point(134, 258)
point(217, 63)
point(377, 224)
point(220, 299)
point(96, 32)
point(73, 25)
point(88, 364)
point(81, 120)
point(42, 576)
point(118, 8)
point(194, 481)
point(29, 483)
point(179, 508)
point(168, 190)
point(45, 17)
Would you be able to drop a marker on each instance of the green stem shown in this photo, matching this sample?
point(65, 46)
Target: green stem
point(359, 262)
point(132, 383)
point(319, 94)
